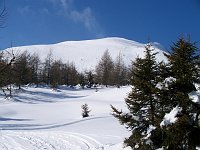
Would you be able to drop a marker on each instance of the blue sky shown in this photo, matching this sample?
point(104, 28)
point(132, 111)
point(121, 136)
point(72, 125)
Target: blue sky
point(51, 21)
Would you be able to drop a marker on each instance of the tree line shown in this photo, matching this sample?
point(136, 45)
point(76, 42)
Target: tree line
point(26, 68)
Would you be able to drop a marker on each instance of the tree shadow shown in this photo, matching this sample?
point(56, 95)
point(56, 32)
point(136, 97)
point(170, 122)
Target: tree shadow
point(35, 97)
point(45, 126)
point(13, 119)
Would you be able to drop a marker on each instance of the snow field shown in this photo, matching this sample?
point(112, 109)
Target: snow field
point(42, 118)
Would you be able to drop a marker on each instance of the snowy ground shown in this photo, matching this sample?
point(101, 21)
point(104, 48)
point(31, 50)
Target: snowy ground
point(42, 118)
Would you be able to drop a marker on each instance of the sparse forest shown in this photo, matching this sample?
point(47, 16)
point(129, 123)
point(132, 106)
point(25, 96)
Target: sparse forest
point(25, 68)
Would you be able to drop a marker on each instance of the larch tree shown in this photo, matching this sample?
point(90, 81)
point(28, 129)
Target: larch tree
point(22, 69)
point(35, 68)
point(47, 67)
point(104, 69)
point(5, 64)
point(119, 71)
point(56, 73)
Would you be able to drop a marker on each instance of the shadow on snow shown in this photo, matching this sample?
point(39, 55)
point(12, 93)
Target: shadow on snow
point(34, 97)
point(45, 126)
point(12, 119)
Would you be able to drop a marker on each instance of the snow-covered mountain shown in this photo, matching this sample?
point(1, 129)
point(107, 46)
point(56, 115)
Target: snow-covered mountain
point(86, 54)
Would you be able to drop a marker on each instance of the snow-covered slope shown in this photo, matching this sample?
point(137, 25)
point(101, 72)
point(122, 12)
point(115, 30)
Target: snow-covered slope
point(42, 118)
point(86, 54)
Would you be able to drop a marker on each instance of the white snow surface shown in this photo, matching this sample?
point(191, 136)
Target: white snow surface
point(170, 118)
point(149, 130)
point(86, 54)
point(195, 96)
point(165, 84)
point(42, 118)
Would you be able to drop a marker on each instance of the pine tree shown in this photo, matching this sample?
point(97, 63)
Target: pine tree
point(163, 92)
point(141, 102)
point(85, 110)
point(183, 133)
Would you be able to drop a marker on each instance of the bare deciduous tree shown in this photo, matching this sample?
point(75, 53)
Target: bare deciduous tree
point(3, 13)
point(104, 69)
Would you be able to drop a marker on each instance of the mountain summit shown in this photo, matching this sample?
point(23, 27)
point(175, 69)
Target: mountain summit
point(86, 54)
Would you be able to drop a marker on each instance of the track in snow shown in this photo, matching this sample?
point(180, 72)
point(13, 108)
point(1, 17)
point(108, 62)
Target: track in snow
point(47, 141)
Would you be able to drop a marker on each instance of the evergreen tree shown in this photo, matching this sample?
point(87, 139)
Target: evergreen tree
point(182, 135)
point(85, 110)
point(163, 105)
point(141, 102)
point(90, 79)
point(163, 91)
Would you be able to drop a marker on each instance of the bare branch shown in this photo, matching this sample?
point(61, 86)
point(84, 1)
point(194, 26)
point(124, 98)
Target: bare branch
point(3, 13)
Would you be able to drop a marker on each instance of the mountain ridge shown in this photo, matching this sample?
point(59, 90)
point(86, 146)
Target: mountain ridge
point(86, 53)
